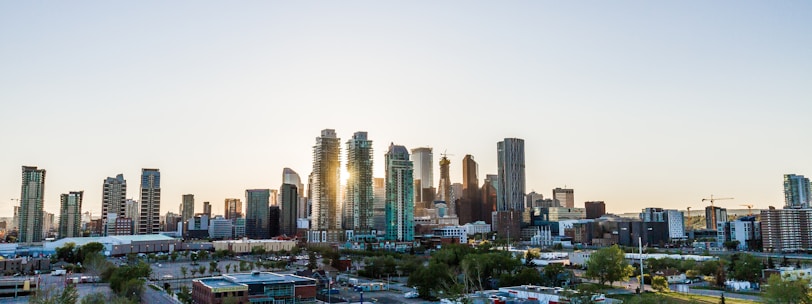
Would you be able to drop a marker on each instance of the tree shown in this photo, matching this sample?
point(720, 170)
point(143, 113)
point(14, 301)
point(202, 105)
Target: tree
point(95, 264)
point(731, 245)
point(67, 253)
point(748, 268)
point(608, 264)
point(202, 270)
point(660, 284)
point(185, 295)
point(183, 271)
point(173, 256)
point(531, 254)
point(68, 295)
point(228, 268)
point(552, 273)
point(779, 290)
point(92, 247)
point(213, 267)
point(194, 271)
point(311, 260)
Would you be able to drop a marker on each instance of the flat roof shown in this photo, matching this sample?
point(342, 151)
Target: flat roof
point(265, 277)
point(220, 284)
point(247, 241)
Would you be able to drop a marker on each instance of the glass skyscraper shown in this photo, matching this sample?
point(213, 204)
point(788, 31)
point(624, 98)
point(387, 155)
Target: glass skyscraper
point(31, 205)
point(399, 195)
point(257, 213)
point(326, 182)
point(796, 191)
point(511, 186)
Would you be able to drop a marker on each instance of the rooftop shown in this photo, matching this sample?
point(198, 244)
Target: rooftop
point(247, 241)
point(220, 282)
point(265, 277)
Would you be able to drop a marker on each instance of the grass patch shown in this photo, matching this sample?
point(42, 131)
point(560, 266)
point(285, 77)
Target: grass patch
point(675, 298)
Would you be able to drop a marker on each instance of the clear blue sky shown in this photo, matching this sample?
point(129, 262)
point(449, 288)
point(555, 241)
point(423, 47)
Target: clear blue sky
point(638, 103)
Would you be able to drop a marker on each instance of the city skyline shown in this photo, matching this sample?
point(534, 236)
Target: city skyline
point(693, 103)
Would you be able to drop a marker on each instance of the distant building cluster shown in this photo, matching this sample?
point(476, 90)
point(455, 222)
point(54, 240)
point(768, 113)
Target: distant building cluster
point(400, 209)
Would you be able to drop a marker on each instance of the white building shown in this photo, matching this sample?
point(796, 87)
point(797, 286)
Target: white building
point(744, 230)
point(460, 232)
point(477, 227)
point(220, 228)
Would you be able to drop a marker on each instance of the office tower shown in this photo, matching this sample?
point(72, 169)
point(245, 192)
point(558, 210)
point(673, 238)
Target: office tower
point(232, 208)
point(423, 160)
point(274, 198)
point(326, 182)
point(469, 208)
point(289, 212)
point(171, 221)
point(70, 214)
point(187, 207)
point(533, 199)
point(444, 189)
point(48, 224)
point(131, 209)
point(379, 203)
point(274, 225)
point(207, 209)
point(720, 216)
point(359, 184)
point(149, 220)
point(399, 195)
point(31, 204)
point(114, 199)
point(488, 195)
point(796, 191)
point(257, 218)
point(290, 177)
point(510, 160)
point(594, 209)
point(564, 197)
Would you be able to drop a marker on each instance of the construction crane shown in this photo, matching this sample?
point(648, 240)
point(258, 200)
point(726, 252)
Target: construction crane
point(749, 209)
point(713, 210)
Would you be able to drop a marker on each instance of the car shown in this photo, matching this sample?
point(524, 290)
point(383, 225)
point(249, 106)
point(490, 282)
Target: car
point(411, 295)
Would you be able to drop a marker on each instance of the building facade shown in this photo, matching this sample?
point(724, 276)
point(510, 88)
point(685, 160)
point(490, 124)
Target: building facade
point(257, 214)
point(360, 194)
point(714, 215)
point(786, 230)
point(564, 197)
point(290, 204)
point(511, 186)
point(326, 176)
point(595, 209)
point(399, 195)
point(187, 207)
point(70, 214)
point(114, 198)
point(290, 177)
point(796, 191)
point(32, 198)
point(232, 208)
point(149, 220)
point(207, 208)
point(423, 161)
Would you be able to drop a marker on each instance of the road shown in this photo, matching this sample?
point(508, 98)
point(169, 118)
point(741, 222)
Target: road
point(152, 296)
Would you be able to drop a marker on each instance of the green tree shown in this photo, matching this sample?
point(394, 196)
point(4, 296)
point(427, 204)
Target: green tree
point(173, 256)
point(92, 247)
point(552, 273)
point(185, 295)
point(67, 252)
point(748, 268)
point(202, 270)
point(68, 295)
point(228, 268)
point(731, 245)
point(183, 271)
point(194, 271)
point(311, 260)
point(783, 291)
point(213, 267)
point(95, 264)
point(533, 253)
point(608, 264)
point(660, 284)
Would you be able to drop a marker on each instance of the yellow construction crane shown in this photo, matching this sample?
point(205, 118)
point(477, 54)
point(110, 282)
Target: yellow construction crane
point(749, 209)
point(713, 210)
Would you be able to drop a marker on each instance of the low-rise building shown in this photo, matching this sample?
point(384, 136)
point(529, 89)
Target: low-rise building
point(459, 232)
point(255, 287)
point(245, 245)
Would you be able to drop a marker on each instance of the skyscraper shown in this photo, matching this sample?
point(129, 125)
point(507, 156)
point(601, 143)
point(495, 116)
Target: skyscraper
point(290, 177)
point(289, 212)
point(489, 197)
point(444, 188)
point(257, 213)
point(511, 186)
point(399, 195)
point(423, 160)
point(114, 199)
point(207, 209)
point(31, 204)
point(187, 207)
point(379, 203)
point(359, 184)
point(469, 207)
point(564, 197)
point(232, 208)
point(70, 214)
point(149, 221)
point(326, 182)
point(796, 191)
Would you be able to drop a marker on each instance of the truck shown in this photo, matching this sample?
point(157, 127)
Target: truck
point(58, 272)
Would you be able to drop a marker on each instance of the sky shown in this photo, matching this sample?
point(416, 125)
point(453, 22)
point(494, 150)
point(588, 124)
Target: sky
point(635, 103)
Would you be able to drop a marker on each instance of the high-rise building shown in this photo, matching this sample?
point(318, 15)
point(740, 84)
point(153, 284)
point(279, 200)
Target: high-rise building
point(290, 177)
point(326, 182)
point(274, 215)
point(719, 216)
point(70, 214)
point(489, 197)
point(399, 195)
point(187, 207)
point(786, 230)
point(533, 199)
point(171, 221)
point(149, 221)
point(15, 221)
point(444, 188)
point(564, 197)
point(207, 209)
point(114, 198)
point(379, 203)
point(469, 207)
point(423, 160)
point(360, 194)
point(131, 209)
point(31, 205)
point(289, 212)
point(257, 218)
point(595, 209)
point(511, 186)
point(232, 208)
point(48, 224)
point(796, 191)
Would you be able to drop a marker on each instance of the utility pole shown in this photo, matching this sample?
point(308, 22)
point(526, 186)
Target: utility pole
point(642, 278)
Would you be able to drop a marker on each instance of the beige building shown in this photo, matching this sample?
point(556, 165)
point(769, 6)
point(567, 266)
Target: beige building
point(245, 245)
point(563, 213)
